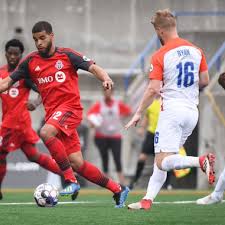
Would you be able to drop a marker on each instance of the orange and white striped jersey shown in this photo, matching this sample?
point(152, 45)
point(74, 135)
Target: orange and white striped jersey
point(178, 64)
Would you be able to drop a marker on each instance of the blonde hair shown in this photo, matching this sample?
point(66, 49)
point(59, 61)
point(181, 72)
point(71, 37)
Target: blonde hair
point(164, 19)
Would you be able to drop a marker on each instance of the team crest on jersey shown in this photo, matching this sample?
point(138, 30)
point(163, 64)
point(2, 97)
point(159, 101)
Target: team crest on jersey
point(59, 65)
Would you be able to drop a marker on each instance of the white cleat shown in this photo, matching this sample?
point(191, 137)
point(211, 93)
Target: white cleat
point(208, 200)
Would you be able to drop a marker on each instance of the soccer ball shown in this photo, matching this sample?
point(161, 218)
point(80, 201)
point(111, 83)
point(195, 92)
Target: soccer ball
point(46, 195)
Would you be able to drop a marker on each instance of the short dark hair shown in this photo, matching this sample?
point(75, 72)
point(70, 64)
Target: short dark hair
point(221, 80)
point(14, 43)
point(42, 26)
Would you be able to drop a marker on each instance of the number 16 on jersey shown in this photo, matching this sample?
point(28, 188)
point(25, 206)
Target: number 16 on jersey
point(185, 74)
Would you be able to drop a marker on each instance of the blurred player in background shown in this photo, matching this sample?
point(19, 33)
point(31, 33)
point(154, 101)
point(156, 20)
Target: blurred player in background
point(181, 69)
point(217, 195)
point(54, 71)
point(16, 131)
point(105, 116)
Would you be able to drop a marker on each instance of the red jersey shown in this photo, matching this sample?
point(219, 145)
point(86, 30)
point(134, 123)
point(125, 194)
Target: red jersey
point(14, 111)
point(55, 77)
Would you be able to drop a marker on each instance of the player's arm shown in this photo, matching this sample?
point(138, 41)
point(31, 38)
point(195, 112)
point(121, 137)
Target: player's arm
point(101, 74)
point(203, 73)
point(152, 90)
point(82, 62)
point(5, 84)
point(150, 93)
point(203, 79)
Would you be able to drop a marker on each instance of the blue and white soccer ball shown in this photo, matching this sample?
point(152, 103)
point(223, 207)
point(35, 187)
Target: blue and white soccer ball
point(46, 195)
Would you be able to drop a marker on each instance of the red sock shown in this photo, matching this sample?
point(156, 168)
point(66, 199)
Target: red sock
point(2, 167)
point(93, 174)
point(49, 163)
point(44, 160)
point(58, 153)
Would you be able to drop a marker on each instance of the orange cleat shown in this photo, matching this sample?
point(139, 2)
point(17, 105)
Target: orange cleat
point(207, 165)
point(145, 204)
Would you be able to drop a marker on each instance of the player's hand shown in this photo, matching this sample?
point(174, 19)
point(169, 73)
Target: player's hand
point(31, 106)
point(134, 121)
point(107, 84)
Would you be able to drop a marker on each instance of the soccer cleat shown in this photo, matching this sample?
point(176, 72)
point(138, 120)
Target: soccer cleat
point(207, 165)
point(121, 197)
point(131, 185)
point(208, 200)
point(72, 188)
point(144, 204)
point(74, 196)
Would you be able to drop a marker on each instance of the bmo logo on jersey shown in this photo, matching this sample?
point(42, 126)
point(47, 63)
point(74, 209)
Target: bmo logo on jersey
point(59, 77)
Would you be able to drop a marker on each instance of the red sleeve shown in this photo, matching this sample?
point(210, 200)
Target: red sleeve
point(156, 68)
point(203, 65)
point(125, 110)
point(94, 109)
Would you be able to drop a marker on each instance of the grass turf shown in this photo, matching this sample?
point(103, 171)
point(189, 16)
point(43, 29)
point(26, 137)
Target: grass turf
point(101, 211)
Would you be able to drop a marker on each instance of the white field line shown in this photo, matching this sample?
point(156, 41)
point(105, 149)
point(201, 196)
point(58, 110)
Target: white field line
point(93, 202)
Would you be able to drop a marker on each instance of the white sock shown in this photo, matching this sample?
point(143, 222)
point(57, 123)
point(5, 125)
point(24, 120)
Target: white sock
point(220, 187)
point(179, 162)
point(155, 183)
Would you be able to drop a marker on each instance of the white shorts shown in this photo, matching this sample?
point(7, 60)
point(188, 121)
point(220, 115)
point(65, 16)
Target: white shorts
point(173, 128)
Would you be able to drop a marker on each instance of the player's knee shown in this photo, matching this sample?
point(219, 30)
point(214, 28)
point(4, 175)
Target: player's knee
point(46, 133)
point(76, 163)
point(158, 161)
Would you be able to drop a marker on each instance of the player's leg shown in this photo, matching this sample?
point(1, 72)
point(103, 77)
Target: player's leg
point(172, 128)
point(3, 164)
point(217, 195)
point(44, 160)
point(7, 136)
point(57, 150)
point(93, 174)
point(115, 145)
point(147, 149)
point(102, 145)
point(90, 171)
point(176, 161)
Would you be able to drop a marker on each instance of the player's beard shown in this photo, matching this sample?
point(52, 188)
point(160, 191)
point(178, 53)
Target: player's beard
point(45, 53)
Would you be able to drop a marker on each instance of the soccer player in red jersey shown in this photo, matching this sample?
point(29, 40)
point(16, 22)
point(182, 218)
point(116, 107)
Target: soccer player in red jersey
point(16, 131)
point(54, 71)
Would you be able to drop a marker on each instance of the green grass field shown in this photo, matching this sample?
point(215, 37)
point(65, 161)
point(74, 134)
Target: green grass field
point(95, 207)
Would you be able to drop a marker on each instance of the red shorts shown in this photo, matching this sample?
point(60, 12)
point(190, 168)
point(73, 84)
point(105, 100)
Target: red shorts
point(66, 122)
point(12, 139)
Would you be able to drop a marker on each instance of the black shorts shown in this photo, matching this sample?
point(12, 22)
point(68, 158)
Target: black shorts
point(109, 144)
point(148, 144)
